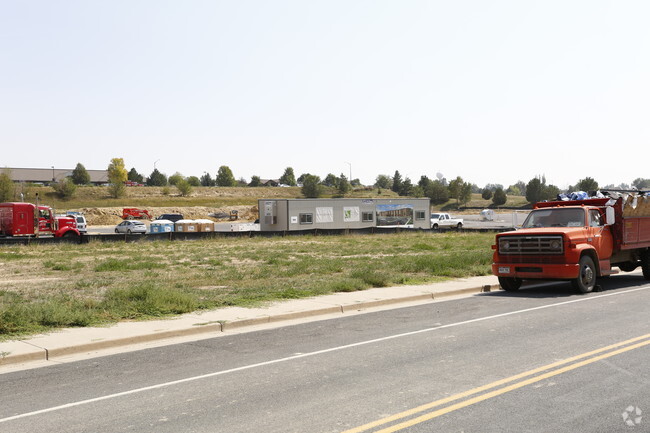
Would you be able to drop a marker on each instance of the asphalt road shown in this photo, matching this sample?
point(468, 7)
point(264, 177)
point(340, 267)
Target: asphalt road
point(539, 360)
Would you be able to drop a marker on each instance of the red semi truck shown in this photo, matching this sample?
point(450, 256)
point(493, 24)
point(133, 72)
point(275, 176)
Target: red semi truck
point(30, 220)
point(577, 241)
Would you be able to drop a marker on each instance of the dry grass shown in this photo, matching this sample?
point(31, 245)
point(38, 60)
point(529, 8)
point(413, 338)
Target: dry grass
point(78, 285)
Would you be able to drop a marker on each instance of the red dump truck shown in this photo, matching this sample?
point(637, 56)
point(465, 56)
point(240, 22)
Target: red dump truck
point(26, 219)
point(577, 241)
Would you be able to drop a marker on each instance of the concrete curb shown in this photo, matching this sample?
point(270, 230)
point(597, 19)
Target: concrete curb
point(28, 351)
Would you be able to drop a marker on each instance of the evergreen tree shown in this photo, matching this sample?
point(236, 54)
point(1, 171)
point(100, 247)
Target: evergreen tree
point(397, 182)
point(406, 188)
point(331, 180)
point(311, 187)
point(535, 189)
point(288, 178)
point(486, 194)
point(206, 180)
point(134, 176)
point(156, 178)
point(424, 182)
point(80, 175)
point(499, 198)
point(437, 192)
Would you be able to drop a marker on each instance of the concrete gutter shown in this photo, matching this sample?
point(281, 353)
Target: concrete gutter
point(57, 345)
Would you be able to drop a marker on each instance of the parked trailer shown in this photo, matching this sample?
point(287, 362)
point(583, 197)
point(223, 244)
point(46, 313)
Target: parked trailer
point(576, 241)
point(286, 215)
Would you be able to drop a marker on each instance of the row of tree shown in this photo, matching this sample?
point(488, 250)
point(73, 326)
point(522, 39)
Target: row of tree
point(438, 190)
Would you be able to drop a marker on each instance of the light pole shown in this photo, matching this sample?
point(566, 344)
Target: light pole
point(350, 179)
point(52, 173)
point(154, 164)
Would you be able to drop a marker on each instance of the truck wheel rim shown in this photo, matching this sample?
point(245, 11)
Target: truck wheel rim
point(587, 275)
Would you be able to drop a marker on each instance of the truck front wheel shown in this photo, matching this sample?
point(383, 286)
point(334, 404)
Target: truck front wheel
point(510, 284)
point(587, 277)
point(645, 264)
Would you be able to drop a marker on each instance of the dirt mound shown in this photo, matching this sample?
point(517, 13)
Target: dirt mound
point(101, 216)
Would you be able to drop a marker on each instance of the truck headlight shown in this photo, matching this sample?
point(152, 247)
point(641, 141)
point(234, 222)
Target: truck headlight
point(556, 244)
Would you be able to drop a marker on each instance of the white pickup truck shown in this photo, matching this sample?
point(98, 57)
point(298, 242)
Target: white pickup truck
point(439, 220)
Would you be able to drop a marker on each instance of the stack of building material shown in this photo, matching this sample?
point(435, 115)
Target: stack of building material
point(161, 226)
point(186, 226)
point(205, 225)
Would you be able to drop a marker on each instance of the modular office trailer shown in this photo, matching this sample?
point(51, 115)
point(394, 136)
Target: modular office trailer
point(343, 213)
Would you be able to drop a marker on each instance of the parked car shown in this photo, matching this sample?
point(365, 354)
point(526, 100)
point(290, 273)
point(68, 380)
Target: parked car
point(131, 226)
point(82, 225)
point(173, 217)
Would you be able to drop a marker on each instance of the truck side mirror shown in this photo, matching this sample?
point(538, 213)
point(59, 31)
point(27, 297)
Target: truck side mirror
point(610, 217)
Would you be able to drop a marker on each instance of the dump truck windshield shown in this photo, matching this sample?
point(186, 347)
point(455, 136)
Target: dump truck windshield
point(556, 217)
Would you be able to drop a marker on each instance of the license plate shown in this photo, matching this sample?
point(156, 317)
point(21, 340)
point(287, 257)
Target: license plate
point(504, 269)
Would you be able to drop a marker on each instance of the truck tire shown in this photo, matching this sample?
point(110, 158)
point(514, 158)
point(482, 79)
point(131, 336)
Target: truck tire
point(459, 226)
point(435, 227)
point(70, 236)
point(587, 275)
point(645, 264)
point(510, 284)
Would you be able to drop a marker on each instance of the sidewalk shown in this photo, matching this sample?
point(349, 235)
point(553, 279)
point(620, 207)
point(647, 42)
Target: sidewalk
point(59, 345)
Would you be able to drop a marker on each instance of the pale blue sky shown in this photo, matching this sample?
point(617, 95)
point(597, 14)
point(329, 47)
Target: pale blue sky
point(492, 91)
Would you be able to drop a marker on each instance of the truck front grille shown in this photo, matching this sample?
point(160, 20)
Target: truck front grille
point(531, 245)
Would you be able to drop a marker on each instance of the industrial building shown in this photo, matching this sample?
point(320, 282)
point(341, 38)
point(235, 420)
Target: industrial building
point(50, 175)
point(343, 213)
